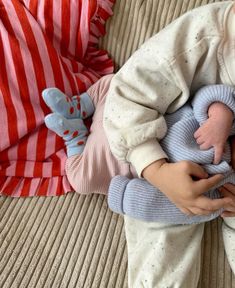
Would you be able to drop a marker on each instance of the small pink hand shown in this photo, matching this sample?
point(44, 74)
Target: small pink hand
point(216, 130)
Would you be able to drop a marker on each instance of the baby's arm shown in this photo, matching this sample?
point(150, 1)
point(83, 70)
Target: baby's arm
point(214, 109)
point(216, 130)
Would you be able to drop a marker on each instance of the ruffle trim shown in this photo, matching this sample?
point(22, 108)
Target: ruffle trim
point(98, 63)
point(28, 187)
point(97, 59)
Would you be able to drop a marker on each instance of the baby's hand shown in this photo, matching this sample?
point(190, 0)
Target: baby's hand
point(184, 183)
point(215, 131)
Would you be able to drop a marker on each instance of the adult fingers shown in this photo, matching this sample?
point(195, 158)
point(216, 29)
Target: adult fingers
point(227, 214)
point(230, 209)
point(199, 211)
point(229, 187)
point(191, 211)
point(204, 185)
point(226, 193)
point(206, 203)
point(195, 170)
point(186, 211)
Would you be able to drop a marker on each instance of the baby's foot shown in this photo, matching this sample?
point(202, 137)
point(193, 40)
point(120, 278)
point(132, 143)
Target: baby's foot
point(75, 107)
point(73, 131)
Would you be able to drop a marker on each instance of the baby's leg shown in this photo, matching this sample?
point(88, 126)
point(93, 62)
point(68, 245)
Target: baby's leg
point(92, 171)
point(90, 164)
point(163, 255)
point(228, 230)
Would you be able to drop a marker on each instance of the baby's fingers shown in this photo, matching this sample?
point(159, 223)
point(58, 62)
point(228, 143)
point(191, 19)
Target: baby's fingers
point(204, 185)
point(197, 133)
point(205, 145)
point(219, 150)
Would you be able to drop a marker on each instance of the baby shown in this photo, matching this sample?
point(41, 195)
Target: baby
point(91, 172)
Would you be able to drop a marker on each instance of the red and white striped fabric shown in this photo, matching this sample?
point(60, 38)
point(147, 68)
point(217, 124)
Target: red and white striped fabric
point(43, 43)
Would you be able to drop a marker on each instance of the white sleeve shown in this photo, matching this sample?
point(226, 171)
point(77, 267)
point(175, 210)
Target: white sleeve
point(158, 78)
point(134, 109)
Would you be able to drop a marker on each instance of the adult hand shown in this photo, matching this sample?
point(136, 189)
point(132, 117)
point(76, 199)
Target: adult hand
point(184, 183)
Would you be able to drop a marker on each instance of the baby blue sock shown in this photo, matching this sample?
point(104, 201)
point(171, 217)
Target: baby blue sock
point(75, 107)
point(73, 131)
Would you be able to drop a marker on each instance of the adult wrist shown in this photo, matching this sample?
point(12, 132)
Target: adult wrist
point(151, 171)
point(145, 154)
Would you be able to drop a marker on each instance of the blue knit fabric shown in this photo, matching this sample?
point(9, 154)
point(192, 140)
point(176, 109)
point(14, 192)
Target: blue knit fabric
point(73, 132)
point(139, 199)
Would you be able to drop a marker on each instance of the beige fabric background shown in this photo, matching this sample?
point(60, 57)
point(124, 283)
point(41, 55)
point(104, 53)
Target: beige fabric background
point(75, 241)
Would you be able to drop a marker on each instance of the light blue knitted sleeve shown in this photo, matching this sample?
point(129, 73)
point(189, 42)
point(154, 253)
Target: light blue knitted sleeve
point(140, 200)
point(209, 94)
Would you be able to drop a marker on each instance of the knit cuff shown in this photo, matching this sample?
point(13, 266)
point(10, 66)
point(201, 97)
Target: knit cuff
point(210, 94)
point(116, 193)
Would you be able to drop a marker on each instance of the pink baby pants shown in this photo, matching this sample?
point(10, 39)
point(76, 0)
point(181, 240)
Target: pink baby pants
point(92, 171)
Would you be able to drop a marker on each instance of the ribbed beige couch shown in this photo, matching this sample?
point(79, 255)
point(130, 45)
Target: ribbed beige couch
point(75, 241)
